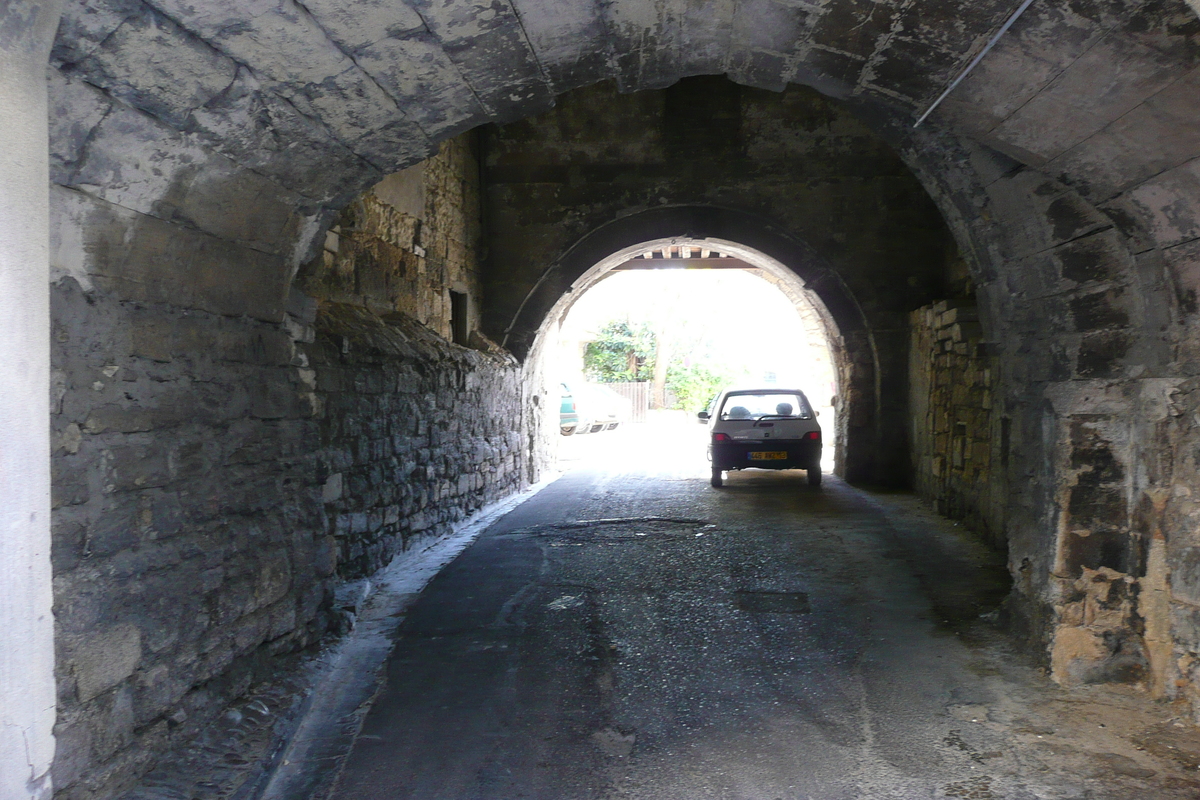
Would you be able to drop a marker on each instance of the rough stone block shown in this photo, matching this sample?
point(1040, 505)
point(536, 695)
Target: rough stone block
point(70, 480)
point(1170, 203)
point(1100, 310)
point(241, 206)
point(274, 401)
point(115, 529)
point(1185, 625)
point(105, 659)
point(250, 631)
point(73, 756)
point(125, 252)
point(119, 419)
point(1099, 257)
point(1185, 575)
point(152, 81)
point(1184, 262)
point(158, 691)
point(1102, 355)
point(1110, 79)
point(136, 466)
point(76, 108)
point(112, 722)
point(282, 619)
point(84, 26)
point(273, 581)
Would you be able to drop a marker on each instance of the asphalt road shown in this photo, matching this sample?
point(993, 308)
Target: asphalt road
point(631, 632)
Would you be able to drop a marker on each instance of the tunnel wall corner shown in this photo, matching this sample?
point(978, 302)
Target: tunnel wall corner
point(1087, 307)
point(223, 460)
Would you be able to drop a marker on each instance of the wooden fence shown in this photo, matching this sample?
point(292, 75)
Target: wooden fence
point(638, 394)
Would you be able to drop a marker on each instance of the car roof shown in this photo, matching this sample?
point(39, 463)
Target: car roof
point(763, 390)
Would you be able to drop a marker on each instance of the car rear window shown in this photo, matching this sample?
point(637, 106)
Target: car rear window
point(779, 405)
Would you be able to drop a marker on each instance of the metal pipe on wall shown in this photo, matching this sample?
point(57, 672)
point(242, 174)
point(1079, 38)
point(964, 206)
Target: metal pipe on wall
point(975, 61)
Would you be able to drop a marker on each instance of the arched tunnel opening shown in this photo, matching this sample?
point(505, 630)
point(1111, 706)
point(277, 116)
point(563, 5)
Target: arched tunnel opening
point(653, 333)
point(306, 263)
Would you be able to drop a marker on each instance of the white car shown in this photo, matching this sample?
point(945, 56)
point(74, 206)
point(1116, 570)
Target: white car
point(600, 408)
point(763, 429)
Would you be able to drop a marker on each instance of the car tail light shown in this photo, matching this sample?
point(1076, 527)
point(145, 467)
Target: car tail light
point(722, 437)
point(813, 435)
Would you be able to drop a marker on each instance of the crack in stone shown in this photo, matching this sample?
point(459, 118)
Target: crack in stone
point(532, 50)
point(85, 146)
point(396, 101)
point(268, 84)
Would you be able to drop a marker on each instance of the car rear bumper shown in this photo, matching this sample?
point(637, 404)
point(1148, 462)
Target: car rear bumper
point(799, 454)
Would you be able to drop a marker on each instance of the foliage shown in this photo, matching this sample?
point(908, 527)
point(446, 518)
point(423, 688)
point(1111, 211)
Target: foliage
point(694, 384)
point(623, 351)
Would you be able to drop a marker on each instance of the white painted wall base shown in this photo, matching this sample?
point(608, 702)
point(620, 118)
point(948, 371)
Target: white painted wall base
point(27, 688)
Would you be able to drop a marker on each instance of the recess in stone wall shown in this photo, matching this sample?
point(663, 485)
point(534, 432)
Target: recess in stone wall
point(955, 446)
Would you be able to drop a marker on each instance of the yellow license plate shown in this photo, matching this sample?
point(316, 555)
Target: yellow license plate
point(770, 455)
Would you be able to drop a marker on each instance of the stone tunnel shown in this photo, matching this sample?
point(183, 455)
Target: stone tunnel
point(299, 256)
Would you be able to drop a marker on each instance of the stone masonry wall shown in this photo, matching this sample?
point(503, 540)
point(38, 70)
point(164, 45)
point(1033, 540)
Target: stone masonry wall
point(190, 544)
point(953, 439)
point(1091, 324)
point(417, 433)
point(405, 244)
point(801, 164)
point(217, 471)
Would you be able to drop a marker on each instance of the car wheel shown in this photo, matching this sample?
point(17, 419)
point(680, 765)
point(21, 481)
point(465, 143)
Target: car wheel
point(566, 430)
point(814, 476)
point(717, 481)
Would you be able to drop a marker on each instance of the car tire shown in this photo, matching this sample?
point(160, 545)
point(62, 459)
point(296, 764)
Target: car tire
point(814, 476)
point(566, 430)
point(717, 480)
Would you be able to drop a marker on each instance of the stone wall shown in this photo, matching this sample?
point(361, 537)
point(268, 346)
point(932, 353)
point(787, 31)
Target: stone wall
point(1092, 322)
point(190, 543)
point(800, 166)
point(198, 162)
point(417, 433)
point(409, 241)
point(956, 441)
point(216, 475)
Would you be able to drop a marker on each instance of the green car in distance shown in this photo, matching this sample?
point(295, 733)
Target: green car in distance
point(568, 415)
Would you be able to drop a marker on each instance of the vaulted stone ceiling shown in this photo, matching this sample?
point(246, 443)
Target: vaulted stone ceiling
point(325, 96)
point(199, 149)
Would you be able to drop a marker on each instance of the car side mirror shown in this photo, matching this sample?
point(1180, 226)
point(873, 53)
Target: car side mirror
point(817, 413)
point(702, 416)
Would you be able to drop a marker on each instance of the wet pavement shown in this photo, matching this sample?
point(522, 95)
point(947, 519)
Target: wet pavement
point(631, 632)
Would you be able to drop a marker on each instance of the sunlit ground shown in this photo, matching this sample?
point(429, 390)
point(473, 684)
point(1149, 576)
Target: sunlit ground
point(672, 442)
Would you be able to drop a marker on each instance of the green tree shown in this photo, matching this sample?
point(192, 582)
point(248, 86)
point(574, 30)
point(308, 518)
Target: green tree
point(694, 382)
point(623, 351)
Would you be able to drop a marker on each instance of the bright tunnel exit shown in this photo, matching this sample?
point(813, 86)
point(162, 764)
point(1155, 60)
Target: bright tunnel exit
point(654, 340)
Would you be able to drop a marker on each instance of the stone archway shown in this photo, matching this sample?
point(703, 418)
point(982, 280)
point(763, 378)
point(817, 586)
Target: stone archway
point(198, 154)
point(820, 330)
point(803, 276)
